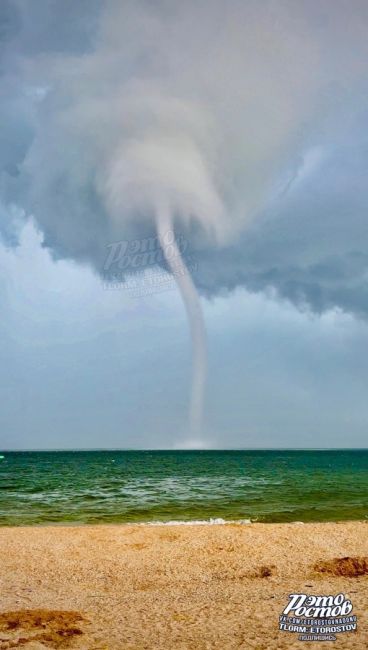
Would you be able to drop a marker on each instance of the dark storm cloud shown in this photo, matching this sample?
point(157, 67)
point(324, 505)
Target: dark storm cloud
point(59, 106)
point(29, 32)
point(312, 246)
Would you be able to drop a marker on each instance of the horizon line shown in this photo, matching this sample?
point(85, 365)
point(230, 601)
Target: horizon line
point(158, 449)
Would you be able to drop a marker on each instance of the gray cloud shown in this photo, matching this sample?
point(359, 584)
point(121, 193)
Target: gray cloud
point(257, 89)
point(312, 245)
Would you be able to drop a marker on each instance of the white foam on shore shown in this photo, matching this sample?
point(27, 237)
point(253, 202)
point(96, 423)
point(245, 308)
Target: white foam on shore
point(196, 522)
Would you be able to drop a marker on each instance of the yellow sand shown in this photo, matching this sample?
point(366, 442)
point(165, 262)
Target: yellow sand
point(173, 587)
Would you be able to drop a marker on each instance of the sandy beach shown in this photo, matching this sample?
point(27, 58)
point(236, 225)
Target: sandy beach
point(164, 587)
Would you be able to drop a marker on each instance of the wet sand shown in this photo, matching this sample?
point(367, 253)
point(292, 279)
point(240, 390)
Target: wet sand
point(174, 587)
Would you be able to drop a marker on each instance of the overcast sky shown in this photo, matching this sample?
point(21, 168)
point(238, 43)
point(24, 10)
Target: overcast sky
point(262, 109)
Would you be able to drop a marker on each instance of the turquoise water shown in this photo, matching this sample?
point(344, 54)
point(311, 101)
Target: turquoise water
point(149, 486)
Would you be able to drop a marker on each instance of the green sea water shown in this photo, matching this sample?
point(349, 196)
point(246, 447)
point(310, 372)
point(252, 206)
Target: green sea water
point(163, 486)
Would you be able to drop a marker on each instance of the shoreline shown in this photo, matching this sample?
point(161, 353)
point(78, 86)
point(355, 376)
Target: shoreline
point(194, 587)
point(179, 523)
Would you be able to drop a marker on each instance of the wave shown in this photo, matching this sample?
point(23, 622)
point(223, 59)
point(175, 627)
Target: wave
point(196, 522)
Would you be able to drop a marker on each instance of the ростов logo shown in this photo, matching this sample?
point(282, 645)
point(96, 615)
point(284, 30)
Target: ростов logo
point(318, 618)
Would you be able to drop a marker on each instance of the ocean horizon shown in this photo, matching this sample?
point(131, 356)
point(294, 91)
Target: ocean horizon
point(182, 486)
point(159, 449)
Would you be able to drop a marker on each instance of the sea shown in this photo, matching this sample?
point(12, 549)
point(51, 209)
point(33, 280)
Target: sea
point(158, 487)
